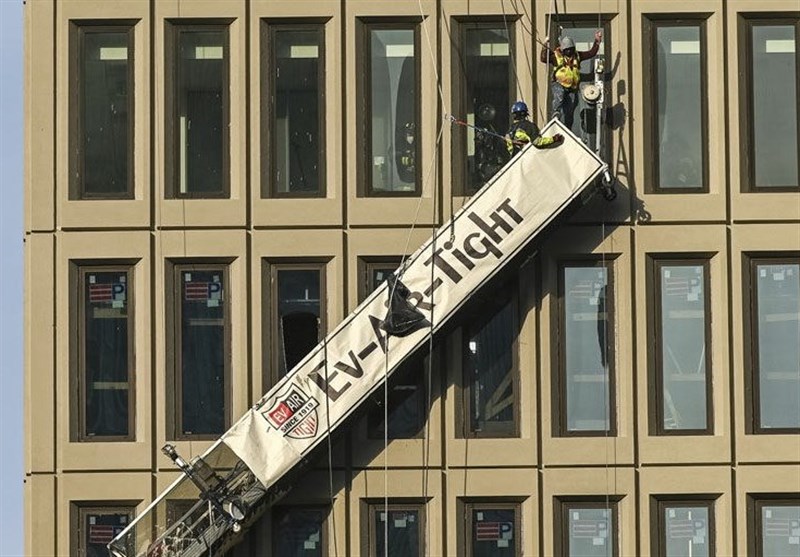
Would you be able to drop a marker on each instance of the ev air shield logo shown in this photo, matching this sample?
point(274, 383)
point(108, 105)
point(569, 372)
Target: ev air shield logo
point(294, 414)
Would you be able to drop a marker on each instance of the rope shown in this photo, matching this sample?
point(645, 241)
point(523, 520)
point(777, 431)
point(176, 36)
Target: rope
point(330, 446)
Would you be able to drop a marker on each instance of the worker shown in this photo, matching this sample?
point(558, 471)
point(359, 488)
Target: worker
point(566, 63)
point(523, 131)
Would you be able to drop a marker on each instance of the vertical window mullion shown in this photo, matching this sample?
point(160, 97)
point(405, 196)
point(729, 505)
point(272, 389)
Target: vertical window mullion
point(586, 349)
point(775, 326)
point(105, 408)
point(391, 121)
point(678, 120)
point(202, 351)
point(682, 378)
point(101, 107)
point(295, 110)
point(198, 126)
point(772, 122)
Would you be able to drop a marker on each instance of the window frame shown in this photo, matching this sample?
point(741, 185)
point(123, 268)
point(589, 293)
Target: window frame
point(77, 163)
point(269, 26)
point(564, 504)
point(78, 272)
point(755, 502)
point(751, 261)
point(651, 24)
point(746, 110)
point(469, 504)
point(270, 269)
point(371, 506)
point(658, 508)
point(278, 511)
point(477, 316)
point(366, 266)
point(77, 518)
point(655, 334)
point(364, 91)
point(559, 394)
point(174, 343)
point(172, 34)
point(458, 152)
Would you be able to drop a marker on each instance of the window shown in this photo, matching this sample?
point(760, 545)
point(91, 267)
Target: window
point(390, 120)
point(483, 66)
point(683, 527)
point(493, 529)
point(198, 111)
point(397, 530)
point(585, 395)
point(294, 128)
point(582, 32)
point(93, 527)
point(103, 358)
point(774, 288)
point(101, 111)
point(200, 347)
point(770, 122)
point(296, 314)
point(681, 379)
point(586, 528)
point(406, 398)
point(299, 532)
point(491, 367)
point(774, 525)
point(676, 118)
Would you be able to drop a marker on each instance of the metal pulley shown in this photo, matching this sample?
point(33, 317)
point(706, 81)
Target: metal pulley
point(591, 93)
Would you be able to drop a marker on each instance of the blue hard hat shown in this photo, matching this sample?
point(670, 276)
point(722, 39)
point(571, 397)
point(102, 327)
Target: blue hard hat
point(519, 106)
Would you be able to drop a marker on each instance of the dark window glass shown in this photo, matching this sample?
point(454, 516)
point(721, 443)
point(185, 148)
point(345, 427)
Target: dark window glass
point(200, 118)
point(490, 369)
point(587, 349)
point(406, 397)
point(393, 120)
point(680, 100)
point(487, 83)
point(588, 529)
point(296, 111)
point(105, 354)
point(299, 532)
point(776, 520)
point(582, 32)
point(104, 113)
point(204, 352)
point(396, 533)
point(683, 359)
point(685, 529)
point(97, 527)
point(297, 314)
point(777, 329)
point(493, 530)
point(774, 122)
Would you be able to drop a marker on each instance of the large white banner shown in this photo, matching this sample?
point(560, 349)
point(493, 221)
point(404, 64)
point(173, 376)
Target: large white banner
point(352, 361)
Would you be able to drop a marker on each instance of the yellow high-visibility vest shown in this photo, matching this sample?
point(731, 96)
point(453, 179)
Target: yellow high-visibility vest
point(567, 71)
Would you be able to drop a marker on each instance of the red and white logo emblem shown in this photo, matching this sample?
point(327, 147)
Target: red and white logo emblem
point(294, 414)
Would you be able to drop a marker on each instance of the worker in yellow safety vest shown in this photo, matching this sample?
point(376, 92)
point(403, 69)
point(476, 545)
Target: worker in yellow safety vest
point(523, 131)
point(566, 62)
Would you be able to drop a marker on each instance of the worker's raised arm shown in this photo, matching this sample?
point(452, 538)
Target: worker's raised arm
point(592, 52)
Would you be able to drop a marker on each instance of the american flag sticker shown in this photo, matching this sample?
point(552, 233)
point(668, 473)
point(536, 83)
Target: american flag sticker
point(104, 293)
point(203, 292)
point(493, 531)
point(103, 533)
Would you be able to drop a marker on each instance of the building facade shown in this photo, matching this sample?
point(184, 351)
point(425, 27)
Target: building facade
point(212, 185)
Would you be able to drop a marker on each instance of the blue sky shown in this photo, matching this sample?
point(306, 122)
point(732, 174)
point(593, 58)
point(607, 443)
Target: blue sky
point(11, 236)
